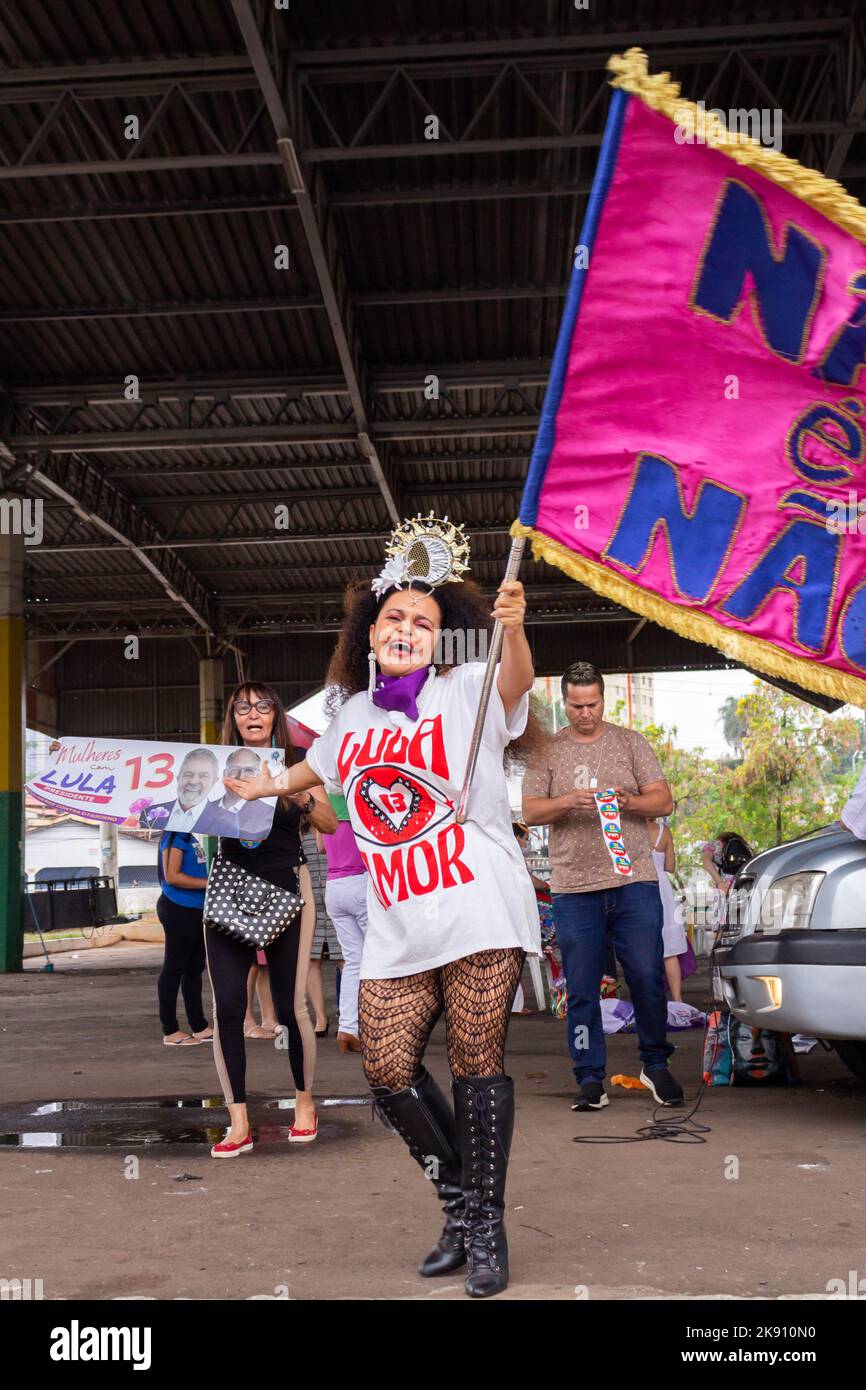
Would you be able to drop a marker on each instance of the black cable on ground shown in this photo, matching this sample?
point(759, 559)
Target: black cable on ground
point(675, 1128)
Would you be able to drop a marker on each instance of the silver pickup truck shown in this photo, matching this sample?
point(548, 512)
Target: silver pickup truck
point(791, 952)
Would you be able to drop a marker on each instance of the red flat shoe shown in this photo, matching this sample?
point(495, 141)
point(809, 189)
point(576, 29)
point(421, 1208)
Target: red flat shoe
point(225, 1149)
point(303, 1136)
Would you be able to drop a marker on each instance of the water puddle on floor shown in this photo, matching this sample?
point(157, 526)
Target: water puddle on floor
point(149, 1123)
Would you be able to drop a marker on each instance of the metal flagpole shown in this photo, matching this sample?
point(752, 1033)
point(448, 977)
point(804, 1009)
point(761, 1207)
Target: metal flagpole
point(512, 569)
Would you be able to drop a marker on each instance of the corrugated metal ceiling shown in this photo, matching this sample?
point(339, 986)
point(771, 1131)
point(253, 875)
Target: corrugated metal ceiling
point(449, 262)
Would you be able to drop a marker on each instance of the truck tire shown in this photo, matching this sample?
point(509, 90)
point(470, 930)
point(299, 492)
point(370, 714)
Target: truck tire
point(853, 1054)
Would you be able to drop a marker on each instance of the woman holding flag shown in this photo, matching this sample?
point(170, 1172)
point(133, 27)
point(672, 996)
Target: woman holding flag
point(451, 911)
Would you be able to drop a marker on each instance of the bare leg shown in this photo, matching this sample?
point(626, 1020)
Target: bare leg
point(254, 985)
point(316, 993)
point(305, 1110)
point(266, 1001)
point(249, 1016)
point(674, 977)
point(239, 1122)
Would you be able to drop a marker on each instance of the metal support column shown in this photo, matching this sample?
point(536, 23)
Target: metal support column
point(11, 741)
point(108, 851)
point(210, 699)
point(210, 719)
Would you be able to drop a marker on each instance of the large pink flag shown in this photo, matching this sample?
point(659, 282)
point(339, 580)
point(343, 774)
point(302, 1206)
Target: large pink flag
point(702, 452)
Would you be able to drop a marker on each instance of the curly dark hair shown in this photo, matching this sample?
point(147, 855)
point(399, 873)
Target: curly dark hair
point(462, 607)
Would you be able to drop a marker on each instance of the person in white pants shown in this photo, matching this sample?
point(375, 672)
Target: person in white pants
point(346, 901)
point(346, 905)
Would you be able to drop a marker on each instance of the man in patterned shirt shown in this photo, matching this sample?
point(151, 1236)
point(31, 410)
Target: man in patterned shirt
point(592, 890)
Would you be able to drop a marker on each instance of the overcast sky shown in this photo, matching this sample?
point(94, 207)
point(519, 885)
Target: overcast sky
point(688, 699)
point(691, 700)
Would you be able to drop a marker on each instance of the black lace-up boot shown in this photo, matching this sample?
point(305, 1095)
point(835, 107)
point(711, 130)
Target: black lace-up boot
point(423, 1118)
point(484, 1110)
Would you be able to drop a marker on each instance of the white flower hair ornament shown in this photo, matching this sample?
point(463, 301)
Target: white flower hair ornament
point(391, 577)
point(428, 549)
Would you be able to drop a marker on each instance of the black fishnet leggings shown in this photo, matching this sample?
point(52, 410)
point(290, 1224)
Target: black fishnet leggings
point(398, 1016)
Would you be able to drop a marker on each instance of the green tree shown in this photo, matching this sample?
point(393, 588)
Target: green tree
point(733, 724)
point(791, 753)
point(789, 782)
point(701, 787)
point(795, 775)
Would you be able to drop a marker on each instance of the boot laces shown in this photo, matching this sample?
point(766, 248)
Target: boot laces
point(481, 1219)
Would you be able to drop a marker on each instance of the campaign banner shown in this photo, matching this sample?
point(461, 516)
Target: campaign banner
point(701, 457)
point(158, 786)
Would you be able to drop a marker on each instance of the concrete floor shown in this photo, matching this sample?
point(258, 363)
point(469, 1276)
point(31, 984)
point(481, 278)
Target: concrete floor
point(349, 1217)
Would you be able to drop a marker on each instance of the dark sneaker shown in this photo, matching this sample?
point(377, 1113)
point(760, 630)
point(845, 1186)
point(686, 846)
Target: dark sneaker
point(591, 1096)
point(665, 1089)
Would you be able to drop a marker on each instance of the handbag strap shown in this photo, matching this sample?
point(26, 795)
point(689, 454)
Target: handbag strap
point(272, 890)
point(262, 905)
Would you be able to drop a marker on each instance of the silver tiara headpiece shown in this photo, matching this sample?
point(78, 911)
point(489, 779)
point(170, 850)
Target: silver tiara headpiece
point(429, 549)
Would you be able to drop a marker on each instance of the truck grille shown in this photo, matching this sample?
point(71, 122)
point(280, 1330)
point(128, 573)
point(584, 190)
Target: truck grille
point(735, 911)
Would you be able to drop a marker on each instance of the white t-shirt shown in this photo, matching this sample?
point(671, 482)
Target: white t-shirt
point(854, 812)
point(436, 890)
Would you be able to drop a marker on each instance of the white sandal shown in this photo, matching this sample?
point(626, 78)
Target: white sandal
point(186, 1041)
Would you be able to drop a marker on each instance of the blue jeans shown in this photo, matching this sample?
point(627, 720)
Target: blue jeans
point(634, 912)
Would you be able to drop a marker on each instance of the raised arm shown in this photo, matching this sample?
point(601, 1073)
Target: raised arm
point(300, 777)
point(516, 672)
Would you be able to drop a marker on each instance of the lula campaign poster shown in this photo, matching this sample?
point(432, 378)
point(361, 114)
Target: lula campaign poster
point(158, 786)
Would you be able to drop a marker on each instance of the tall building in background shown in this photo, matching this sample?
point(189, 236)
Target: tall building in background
point(628, 698)
point(637, 694)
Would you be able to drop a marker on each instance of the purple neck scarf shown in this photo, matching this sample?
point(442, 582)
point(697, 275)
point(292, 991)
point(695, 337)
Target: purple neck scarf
point(400, 692)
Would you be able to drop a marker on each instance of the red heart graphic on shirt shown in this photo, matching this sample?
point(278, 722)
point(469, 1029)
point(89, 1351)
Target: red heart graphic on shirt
point(392, 805)
point(396, 803)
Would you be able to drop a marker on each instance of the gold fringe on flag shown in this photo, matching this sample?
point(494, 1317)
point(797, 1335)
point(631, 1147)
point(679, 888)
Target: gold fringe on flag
point(697, 626)
point(659, 92)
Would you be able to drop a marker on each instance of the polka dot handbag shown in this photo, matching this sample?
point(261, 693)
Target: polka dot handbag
point(245, 907)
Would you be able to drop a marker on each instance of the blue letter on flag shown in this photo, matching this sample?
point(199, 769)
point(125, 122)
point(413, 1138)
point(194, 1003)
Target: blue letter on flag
point(787, 286)
point(698, 542)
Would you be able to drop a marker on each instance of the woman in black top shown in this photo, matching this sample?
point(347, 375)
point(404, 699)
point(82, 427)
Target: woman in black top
point(256, 718)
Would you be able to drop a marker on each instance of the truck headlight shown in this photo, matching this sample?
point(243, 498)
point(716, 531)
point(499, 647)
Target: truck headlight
point(790, 901)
